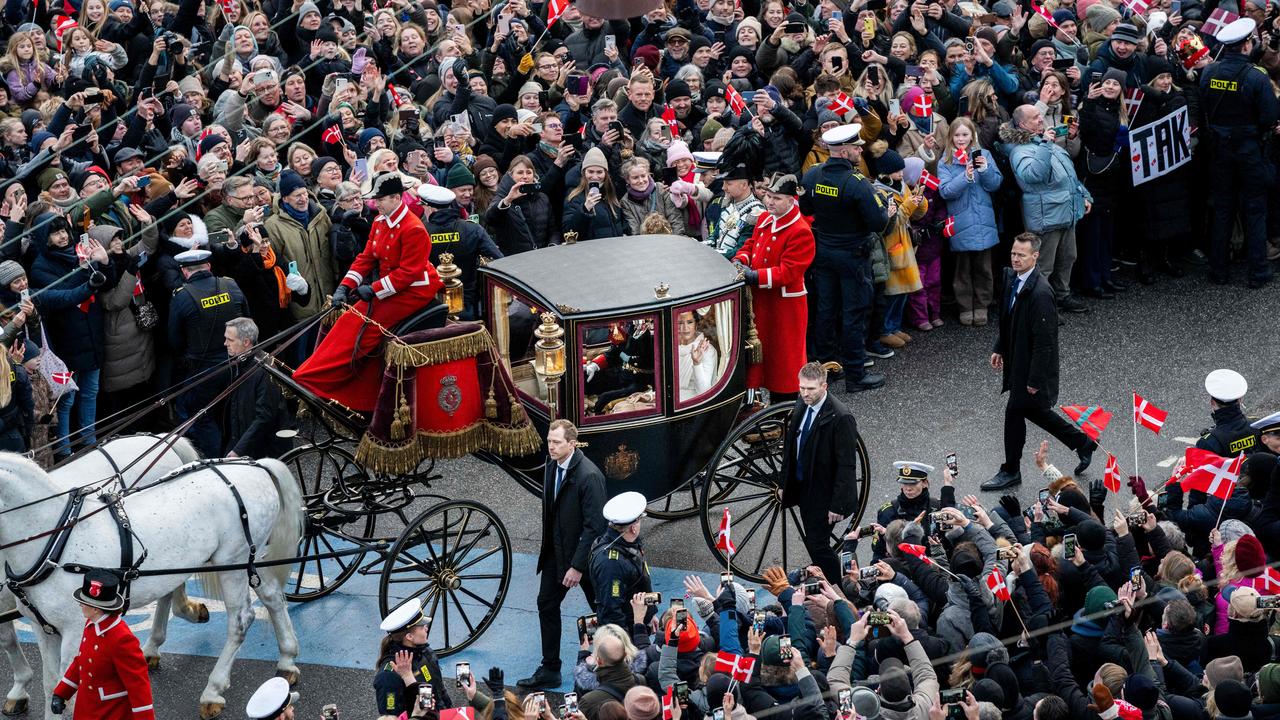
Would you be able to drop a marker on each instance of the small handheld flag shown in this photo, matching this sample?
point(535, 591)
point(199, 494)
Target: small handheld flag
point(1111, 477)
point(1091, 419)
point(1147, 415)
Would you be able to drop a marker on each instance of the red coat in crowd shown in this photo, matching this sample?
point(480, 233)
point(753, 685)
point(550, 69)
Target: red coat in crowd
point(109, 674)
point(780, 250)
point(399, 251)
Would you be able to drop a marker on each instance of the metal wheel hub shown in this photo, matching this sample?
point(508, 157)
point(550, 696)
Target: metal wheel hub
point(448, 579)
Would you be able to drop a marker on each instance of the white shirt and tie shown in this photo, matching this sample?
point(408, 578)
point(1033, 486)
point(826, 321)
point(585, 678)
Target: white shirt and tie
point(1018, 284)
point(561, 469)
point(806, 425)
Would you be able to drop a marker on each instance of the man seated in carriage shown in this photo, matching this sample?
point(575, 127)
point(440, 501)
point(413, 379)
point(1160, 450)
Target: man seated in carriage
point(625, 367)
point(388, 282)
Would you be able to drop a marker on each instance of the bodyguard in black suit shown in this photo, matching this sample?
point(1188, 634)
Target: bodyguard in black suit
point(820, 465)
point(1026, 353)
point(573, 498)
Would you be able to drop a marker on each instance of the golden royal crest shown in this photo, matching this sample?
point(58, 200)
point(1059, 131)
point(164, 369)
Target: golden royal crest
point(450, 397)
point(621, 464)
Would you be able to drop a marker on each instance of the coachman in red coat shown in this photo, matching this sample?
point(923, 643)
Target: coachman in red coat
point(109, 673)
point(775, 258)
point(392, 279)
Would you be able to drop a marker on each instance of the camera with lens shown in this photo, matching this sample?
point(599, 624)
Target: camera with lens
point(171, 39)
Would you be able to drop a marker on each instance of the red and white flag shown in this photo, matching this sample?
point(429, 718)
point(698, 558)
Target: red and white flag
point(555, 9)
point(922, 107)
point(995, 581)
point(739, 667)
point(61, 24)
point(1091, 419)
point(1147, 415)
point(734, 98)
point(1268, 583)
point(962, 157)
point(919, 551)
point(462, 713)
point(1194, 458)
point(226, 6)
point(61, 378)
point(949, 229)
point(333, 135)
point(1044, 13)
point(1133, 100)
point(668, 702)
point(841, 104)
point(1137, 7)
point(669, 117)
point(1111, 477)
point(1218, 19)
point(1215, 478)
point(396, 100)
point(723, 540)
point(929, 180)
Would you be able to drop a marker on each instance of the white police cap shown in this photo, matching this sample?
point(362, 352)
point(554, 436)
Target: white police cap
point(1236, 31)
point(1225, 385)
point(707, 160)
point(435, 195)
point(844, 135)
point(1270, 423)
point(625, 508)
point(192, 257)
point(408, 615)
point(911, 472)
point(270, 699)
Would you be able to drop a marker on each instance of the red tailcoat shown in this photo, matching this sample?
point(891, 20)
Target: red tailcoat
point(399, 252)
point(780, 250)
point(109, 674)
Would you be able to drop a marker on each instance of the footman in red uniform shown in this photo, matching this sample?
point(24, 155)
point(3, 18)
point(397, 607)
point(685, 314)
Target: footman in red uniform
point(774, 260)
point(391, 280)
point(109, 673)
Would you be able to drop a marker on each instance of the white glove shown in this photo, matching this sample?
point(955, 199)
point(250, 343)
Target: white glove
point(296, 283)
point(591, 369)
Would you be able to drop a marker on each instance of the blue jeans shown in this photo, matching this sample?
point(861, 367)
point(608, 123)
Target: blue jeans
point(893, 312)
point(86, 400)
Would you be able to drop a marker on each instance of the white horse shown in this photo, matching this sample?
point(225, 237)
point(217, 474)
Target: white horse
point(186, 521)
point(103, 462)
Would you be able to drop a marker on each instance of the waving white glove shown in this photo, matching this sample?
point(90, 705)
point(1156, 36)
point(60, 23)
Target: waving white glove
point(296, 283)
point(591, 369)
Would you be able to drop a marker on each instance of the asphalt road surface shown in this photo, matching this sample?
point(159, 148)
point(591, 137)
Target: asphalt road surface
point(941, 396)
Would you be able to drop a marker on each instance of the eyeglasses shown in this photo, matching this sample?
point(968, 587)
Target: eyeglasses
point(549, 126)
point(546, 66)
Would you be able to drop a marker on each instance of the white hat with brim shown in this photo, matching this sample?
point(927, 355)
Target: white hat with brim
point(1236, 31)
point(192, 257)
point(408, 615)
point(436, 196)
point(843, 135)
point(911, 472)
point(1225, 385)
point(270, 700)
point(625, 508)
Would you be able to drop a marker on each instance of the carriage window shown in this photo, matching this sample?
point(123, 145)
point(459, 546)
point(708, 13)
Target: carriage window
point(513, 331)
point(619, 376)
point(704, 345)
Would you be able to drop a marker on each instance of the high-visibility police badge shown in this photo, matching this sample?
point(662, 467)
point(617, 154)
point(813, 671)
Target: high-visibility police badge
point(391, 701)
point(613, 554)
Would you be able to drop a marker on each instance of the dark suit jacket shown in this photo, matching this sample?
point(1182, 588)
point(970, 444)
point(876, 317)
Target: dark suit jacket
point(829, 460)
point(1028, 341)
point(574, 519)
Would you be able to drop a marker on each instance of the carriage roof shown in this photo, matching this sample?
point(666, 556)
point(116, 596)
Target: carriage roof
point(618, 273)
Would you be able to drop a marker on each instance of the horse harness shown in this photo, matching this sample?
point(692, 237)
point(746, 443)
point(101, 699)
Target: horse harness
point(51, 555)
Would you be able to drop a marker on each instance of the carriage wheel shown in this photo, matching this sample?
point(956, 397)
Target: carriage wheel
point(745, 476)
point(679, 503)
point(456, 558)
point(323, 469)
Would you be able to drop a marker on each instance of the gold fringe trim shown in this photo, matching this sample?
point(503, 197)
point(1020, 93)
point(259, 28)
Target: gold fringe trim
point(438, 351)
point(404, 458)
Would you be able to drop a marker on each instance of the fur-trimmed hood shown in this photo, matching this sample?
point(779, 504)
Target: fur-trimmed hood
point(1014, 135)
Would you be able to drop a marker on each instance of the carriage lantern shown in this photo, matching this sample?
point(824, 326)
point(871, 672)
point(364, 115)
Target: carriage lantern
point(450, 274)
point(549, 357)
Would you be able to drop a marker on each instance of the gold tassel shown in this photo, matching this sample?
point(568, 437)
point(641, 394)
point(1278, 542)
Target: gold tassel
point(401, 414)
point(517, 414)
point(491, 405)
point(755, 349)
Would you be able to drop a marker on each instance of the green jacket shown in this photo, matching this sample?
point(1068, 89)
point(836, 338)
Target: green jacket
point(309, 247)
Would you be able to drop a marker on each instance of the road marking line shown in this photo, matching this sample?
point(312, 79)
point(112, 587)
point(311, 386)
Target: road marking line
point(1187, 440)
point(1168, 462)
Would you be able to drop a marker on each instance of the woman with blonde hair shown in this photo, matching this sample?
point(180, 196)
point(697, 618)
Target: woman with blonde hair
point(93, 15)
point(968, 178)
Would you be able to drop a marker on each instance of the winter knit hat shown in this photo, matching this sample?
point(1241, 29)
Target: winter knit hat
point(1062, 15)
point(482, 162)
point(595, 158)
point(866, 704)
point(649, 55)
point(641, 704)
point(987, 690)
point(1141, 692)
point(320, 164)
point(10, 271)
point(1220, 670)
point(504, 112)
point(1096, 599)
point(1251, 559)
point(677, 150)
point(895, 683)
point(887, 164)
point(1269, 682)
point(289, 182)
point(211, 141)
point(1092, 535)
point(179, 114)
point(986, 650)
point(1233, 700)
point(987, 34)
point(1099, 16)
point(459, 176)
point(1233, 530)
point(1116, 74)
point(964, 561)
point(687, 641)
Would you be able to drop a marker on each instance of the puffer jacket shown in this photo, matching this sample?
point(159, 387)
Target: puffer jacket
point(603, 222)
point(310, 248)
point(130, 350)
point(1052, 195)
point(970, 202)
point(76, 332)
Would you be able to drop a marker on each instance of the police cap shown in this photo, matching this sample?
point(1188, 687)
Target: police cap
point(192, 257)
point(1270, 423)
point(270, 700)
point(911, 472)
point(1236, 31)
point(625, 508)
point(1225, 385)
point(844, 135)
point(436, 196)
point(706, 160)
point(408, 615)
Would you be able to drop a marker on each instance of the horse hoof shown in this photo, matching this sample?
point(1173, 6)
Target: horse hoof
point(202, 614)
point(153, 663)
point(15, 707)
point(208, 711)
point(291, 675)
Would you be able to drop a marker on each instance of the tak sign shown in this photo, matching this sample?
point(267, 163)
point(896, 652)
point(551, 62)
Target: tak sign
point(1160, 147)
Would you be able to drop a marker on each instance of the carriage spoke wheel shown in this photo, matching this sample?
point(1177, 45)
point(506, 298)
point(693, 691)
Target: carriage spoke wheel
point(326, 471)
point(679, 503)
point(456, 558)
point(745, 476)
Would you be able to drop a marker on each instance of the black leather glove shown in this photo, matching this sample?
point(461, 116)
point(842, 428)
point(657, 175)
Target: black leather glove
point(1011, 506)
point(752, 276)
point(495, 681)
point(1097, 495)
point(57, 705)
point(365, 292)
point(726, 600)
point(340, 296)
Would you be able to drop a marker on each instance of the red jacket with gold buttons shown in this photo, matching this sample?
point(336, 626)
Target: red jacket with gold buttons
point(109, 674)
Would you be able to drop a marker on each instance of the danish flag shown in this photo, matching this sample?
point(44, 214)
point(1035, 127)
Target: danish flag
point(669, 117)
point(962, 157)
point(1216, 478)
point(62, 378)
point(1194, 458)
point(226, 6)
point(555, 9)
point(1137, 7)
point(396, 101)
point(919, 551)
point(1218, 19)
point(723, 540)
point(61, 24)
point(462, 713)
point(1147, 415)
point(1270, 582)
point(1111, 477)
point(734, 98)
point(949, 229)
point(841, 105)
point(923, 106)
point(333, 135)
point(995, 581)
point(739, 667)
point(928, 180)
point(1043, 13)
point(668, 701)
point(1089, 418)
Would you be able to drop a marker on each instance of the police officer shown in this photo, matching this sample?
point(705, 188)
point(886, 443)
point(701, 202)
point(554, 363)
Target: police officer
point(198, 317)
point(406, 665)
point(464, 240)
point(912, 501)
point(1268, 429)
point(1231, 433)
point(1241, 112)
point(618, 569)
point(848, 217)
point(272, 701)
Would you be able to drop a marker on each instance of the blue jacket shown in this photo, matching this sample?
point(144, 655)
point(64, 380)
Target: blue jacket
point(76, 335)
point(1003, 79)
point(970, 203)
point(1053, 197)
